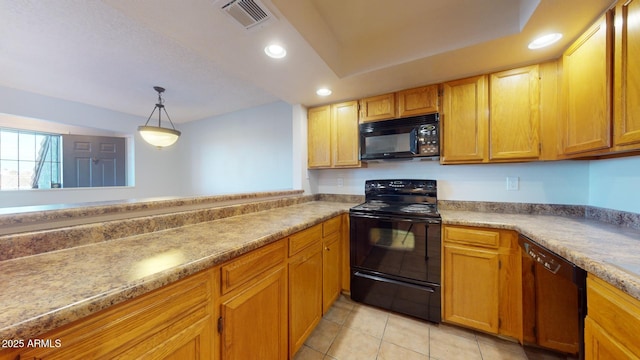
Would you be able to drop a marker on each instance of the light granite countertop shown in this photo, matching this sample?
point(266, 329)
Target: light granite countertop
point(44, 291)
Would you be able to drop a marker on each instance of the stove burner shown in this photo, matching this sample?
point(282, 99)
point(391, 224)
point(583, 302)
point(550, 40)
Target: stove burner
point(418, 208)
point(373, 205)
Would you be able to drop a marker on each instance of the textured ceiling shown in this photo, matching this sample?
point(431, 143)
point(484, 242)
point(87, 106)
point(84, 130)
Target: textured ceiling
point(111, 53)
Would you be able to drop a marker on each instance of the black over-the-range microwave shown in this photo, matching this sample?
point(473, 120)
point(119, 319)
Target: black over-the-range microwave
point(411, 137)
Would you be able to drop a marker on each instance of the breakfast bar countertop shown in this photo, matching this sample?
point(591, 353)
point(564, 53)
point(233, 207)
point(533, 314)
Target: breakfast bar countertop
point(45, 291)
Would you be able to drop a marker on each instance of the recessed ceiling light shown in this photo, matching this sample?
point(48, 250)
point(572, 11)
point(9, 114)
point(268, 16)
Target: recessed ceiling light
point(545, 40)
point(275, 51)
point(323, 92)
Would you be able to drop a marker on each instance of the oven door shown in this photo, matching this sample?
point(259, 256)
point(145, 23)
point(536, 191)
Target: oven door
point(403, 249)
point(395, 264)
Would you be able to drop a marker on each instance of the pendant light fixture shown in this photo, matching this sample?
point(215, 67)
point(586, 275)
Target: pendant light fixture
point(157, 135)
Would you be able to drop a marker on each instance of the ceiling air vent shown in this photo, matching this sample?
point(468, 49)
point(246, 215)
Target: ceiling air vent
point(247, 13)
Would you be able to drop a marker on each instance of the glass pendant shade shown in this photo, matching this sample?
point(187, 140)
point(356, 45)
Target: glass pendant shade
point(159, 136)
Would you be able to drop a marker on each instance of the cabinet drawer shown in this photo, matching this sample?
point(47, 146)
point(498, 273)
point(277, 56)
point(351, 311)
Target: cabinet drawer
point(472, 236)
point(158, 315)
point(615, 311)
point(304, 238)
point(248, 266)
point(331, 226)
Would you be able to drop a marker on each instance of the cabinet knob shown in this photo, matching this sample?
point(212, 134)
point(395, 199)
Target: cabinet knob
point(327, 248)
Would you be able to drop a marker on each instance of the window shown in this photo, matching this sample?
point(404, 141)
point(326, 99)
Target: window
point(38, 160)
point(29, 160)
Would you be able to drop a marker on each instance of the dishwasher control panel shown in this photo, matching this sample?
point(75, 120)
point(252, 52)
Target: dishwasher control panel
point(542, 258)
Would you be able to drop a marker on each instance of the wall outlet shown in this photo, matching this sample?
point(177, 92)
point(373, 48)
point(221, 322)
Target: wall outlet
point(340, 182)
point(513, 183)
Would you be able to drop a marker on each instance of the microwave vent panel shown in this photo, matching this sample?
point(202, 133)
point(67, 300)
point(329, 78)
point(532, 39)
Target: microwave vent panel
point(247, 13)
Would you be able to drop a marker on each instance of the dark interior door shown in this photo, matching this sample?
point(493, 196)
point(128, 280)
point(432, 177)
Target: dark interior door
point(93, 161)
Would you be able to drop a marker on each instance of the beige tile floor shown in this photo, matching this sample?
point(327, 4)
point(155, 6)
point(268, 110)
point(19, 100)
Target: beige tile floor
point(353, 331)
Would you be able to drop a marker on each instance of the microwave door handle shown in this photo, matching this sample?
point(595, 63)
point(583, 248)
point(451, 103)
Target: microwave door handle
point(414, 141)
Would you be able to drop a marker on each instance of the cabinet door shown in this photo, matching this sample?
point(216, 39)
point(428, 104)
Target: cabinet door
point(418, 101)
point(345, 134)
point(514, 114)
point(319, 137)
point(586, 90)
point(470, 284)
point(599, 345)
point(331, 263)
point(305, 295)
point(379, 107)
point(464, 120)
point(346, 252)
point(627, 74)
point(254, 322)
point(167, 323)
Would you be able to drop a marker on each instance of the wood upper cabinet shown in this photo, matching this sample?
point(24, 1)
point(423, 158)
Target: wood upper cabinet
point(411, 102)
point(253, 305)
point(612, 324)
point(173, 322)
point(345, 135)
point(464, 121)
point(418, 101)
point(481, 279)
point(627, 75)
point(514, 114)
point(332, 136)
point(319, 137)
point(380, 107)
point(586, 91)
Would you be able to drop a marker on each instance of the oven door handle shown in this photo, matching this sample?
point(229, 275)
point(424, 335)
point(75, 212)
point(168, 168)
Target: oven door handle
point(394, 218)
point(391, 281)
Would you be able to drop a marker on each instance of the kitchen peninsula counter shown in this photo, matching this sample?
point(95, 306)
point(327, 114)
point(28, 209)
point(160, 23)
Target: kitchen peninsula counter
point(44, 291)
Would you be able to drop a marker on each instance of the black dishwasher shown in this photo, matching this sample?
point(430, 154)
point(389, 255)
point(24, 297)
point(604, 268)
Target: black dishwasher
point(554, 299)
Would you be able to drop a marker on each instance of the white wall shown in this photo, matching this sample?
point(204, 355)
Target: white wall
point(155, 170)
point(244, 151)
point(615, 184)
point(563, 182)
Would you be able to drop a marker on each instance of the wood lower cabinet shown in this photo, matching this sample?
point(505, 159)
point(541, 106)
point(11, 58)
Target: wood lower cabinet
point(331, 261)
point(586, 91)
point(346, 255)
point(305, 287)
point(174, 322)
point(481, 279)
point(253, 305)
point(612, 326)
